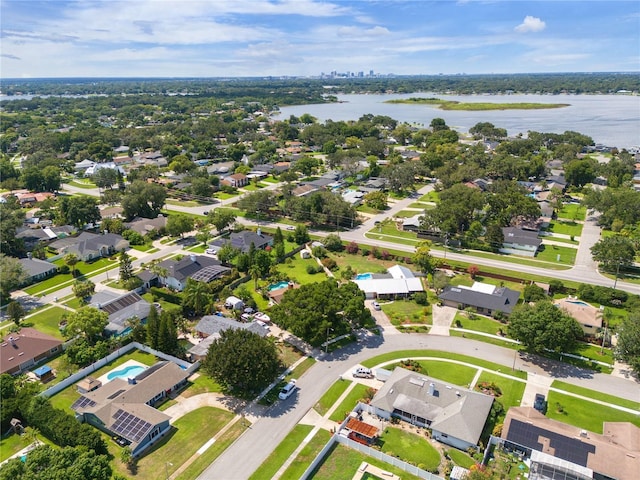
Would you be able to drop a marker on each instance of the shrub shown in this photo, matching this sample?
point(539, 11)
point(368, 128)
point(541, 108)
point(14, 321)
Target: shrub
point(329, 263)
point(352, 248)
point(319, 252)
point(421, 298)
point(64, 269)
point(365, 252)
point(313, 269)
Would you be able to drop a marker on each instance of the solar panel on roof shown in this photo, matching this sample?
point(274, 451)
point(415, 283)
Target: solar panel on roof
point(114, 395)
point(130, 426)
point(83, 402)
point(570, 449)
point(121, 303)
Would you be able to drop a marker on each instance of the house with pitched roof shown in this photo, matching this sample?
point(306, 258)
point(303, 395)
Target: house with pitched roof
point(209, 328)
point(198, 267)
point(236, 180)
point(37, 270)
point(399, 281)
point(22, 350)
point(559, 450)
point(120, 309)
point(520, 242)
point(90, 246)
point(455, 415)
point(486, 299)
point(243, 240)
point(124, 408)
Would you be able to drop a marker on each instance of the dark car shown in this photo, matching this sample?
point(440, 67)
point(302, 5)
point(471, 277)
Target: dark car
point(540, 404)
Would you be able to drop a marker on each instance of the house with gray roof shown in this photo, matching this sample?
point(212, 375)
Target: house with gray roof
point(146, 225)
point(90, 246)
point(198, 267)
point(209, 328)
point(243, 240)
point(37, 270)
point(120, 309)
point(486, 299)
point(124, 408)
point(455, 415)
point(520, 242)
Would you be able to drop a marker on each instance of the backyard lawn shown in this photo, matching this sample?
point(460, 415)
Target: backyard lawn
point(407, 311)
point(349, 403)
point(331, 396)
point(46, 321)
point(584, 414)
point(296, 270)
point(274, 461)
point(460, 458)
point(362, 264)
point(410, 447)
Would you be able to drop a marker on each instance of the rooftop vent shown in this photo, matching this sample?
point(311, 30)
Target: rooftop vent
point(583, 433)
point(432, 389)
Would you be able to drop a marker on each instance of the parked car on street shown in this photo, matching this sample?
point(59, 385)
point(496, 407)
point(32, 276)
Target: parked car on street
point(287, 390)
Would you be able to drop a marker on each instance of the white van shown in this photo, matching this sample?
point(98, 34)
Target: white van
point(362, 372)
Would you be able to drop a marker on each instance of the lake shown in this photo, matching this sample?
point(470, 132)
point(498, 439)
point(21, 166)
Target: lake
point(612, 120)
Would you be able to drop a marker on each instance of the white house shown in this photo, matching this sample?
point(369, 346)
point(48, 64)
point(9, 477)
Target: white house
point(399, 281)
point(234, 303)
point(520, 242)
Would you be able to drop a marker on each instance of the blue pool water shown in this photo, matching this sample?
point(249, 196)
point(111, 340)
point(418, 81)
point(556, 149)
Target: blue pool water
point(128, 372)
point(364, 276)
point(278, 286)
point(577, 302)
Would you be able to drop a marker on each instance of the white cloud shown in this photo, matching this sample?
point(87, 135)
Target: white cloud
point(530, 24)
point(358, 32)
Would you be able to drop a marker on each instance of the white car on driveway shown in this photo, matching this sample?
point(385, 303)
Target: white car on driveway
point(362, 372)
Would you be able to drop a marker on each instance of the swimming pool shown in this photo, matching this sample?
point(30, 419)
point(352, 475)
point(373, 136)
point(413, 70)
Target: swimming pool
point(128, 372)
point(364, 276)
point(578, 302)
point(277, 286)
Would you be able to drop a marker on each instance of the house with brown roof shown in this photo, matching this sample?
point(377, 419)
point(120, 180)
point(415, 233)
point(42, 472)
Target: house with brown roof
point(124, 408)
point(237, 180)
point(22, 350)
point(559, 450)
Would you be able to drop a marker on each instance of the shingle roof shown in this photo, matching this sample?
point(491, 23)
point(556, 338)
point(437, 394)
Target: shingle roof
point(34, 267)
point(521, 237)
point(243, 240)
point(502, 299)
point(28, 343)
point(189, 265)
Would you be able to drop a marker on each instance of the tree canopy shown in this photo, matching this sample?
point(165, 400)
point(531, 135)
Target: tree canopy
point(242, 362)
point(614, 252)
point(544, 326)
point(628, 345)
point(143, 199)
point(87, 322)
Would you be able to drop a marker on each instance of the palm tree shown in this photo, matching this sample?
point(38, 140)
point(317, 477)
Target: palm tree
point(71, 259)
point(196, 296)
point(254, 271)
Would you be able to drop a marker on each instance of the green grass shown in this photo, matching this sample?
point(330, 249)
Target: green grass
point(407, 213)
point(573, 211)
point(362, 264)
point(348, 403)
point(272, 395)
point(512, 390)
point(511, 259)
point(190, 432)
point(410, 447)
point(449, 372)
point(565, 227)
point(550, 253)
point(432, 196)
point(407, 311)
point(392, 230)
point(477, 106)
point(342, 463)
point(78, 184)
point(584, 414)
point(387, 357)
point(225, 196)
point(367, 209)
point(202, 384)
point(194, 470)
point(306, 455)
point(593, 352)
point(63, 280)
point(596, 395)
point(144, 248)
point(331, 396)
point(485, 339)
point(47, 321)
point(183, 203)
point(12, 444)
point(561, 240)
point(198, 248)
point(461, 458)
point(478, 323)
point(281, 453)
point(295, 270)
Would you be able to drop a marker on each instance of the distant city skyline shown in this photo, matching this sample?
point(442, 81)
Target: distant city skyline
point(236, 38)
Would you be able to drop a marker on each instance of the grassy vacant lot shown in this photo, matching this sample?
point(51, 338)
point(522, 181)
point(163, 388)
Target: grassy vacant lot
point(573, 211)
point(565, 227)
point(407, 311)
point(512, 390)
point(331, 396)
point(585, 414)
point(461, 458)
point(569, 387)
point(306, 456)
point(343, 462)
point(274, 461)
point(387, 357)
point(189, 433)
point(47, 321)
point(410, 447)
point(349, 402)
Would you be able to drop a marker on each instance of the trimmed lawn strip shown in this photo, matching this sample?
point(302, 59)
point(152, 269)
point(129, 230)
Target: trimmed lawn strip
point(194, 470)
point(516, 259)
point(343, 462)
point(188, 434)
point(549, 253)
point(560, 239)
point(446, 371)
point(410, 447)
point(479, 323)
point(281, 453)
point(144, 248)
point(47, 321)
point(485, 339)
point(584, 414)
point(512, 390)
point(585, 392)
point(386, 357)
point(349, 403)
point(306, 455)
point(331, 396)
point(62, 280)
point(460, 458)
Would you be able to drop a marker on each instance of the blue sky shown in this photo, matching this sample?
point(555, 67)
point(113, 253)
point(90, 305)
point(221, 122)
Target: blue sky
point(213, 38)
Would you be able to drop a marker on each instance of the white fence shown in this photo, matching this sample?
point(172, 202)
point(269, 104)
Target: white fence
point(189, 367)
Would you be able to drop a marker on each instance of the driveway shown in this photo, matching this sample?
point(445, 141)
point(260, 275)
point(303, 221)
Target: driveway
point(442, 318)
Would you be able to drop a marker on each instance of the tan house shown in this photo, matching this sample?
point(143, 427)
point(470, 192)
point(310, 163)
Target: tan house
point(236, 180)
point(588, 316)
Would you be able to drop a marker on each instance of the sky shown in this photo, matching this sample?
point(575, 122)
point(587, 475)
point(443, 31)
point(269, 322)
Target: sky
point(237, 38)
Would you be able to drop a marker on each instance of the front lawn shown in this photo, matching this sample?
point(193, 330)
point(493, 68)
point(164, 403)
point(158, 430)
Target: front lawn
point(410, 447)
point(281, 453)
point(144, 248)
point(478, 323)
point(512, 390)
point(331, 396)
point(202, 384)
point(565, 227)
point(596, 395)
point(348, 404)
point(190, 432)
point(47, 321)
point(584, 414)
point(62, 280)
point(449, 372)
point(573, 211)
point(407, 311)
point(557, 254)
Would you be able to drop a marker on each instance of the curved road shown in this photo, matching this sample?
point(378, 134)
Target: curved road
point(243, 457)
